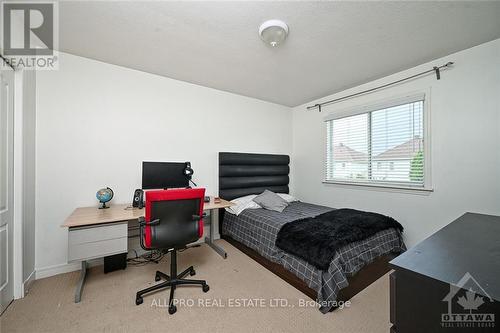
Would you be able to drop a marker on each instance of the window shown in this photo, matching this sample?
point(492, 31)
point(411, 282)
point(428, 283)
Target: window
point(378, 145)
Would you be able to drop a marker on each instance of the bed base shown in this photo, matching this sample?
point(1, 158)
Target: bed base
point(362, 279)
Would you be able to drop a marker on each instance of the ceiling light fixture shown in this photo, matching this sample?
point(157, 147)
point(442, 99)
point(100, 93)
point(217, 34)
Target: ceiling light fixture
point(273, 32)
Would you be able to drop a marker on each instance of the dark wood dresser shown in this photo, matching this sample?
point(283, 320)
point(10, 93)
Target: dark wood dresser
point(450, 282)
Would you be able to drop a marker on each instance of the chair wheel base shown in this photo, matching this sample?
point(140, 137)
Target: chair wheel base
point(172, 281)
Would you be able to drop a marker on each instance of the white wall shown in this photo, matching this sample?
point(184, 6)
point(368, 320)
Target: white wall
point(97, 122)
point(465, 146)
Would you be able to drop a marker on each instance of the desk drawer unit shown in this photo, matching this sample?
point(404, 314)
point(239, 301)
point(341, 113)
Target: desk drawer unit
point(97, 241)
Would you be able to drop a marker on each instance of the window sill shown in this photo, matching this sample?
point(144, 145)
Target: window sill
point(380, 187)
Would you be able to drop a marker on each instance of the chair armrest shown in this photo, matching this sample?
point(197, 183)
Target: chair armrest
point(198, 217)
point(142, 224)
point(142, 221)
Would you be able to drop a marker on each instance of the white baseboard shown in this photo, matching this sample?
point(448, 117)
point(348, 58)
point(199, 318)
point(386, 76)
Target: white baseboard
point(64, 268)
point(28, 282)
point(56, 269)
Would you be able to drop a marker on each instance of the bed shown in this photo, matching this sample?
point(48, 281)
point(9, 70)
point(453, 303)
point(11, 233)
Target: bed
point(254, 231)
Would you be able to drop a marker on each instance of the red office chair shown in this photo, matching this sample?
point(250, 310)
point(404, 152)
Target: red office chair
point(174, 218)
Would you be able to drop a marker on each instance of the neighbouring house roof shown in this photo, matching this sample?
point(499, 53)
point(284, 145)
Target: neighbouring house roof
point(406, 150)
point(343, 153)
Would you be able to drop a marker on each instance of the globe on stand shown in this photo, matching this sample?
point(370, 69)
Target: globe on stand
point(104, 195)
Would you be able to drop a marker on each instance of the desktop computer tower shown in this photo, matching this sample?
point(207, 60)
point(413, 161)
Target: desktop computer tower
point(115, 262)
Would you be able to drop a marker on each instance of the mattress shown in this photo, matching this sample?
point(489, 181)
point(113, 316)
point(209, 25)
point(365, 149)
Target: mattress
point(258, 229)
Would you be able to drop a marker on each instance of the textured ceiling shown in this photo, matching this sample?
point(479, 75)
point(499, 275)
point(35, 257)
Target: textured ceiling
point(331, 46)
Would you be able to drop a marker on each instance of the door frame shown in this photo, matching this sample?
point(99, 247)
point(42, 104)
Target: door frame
point(18, 185)
point(17, 220)
point(9, 74)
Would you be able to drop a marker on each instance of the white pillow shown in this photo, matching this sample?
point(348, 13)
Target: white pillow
point(287, 197)
point(243, 203)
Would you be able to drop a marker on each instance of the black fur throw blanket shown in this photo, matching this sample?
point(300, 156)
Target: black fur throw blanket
point(316, 239)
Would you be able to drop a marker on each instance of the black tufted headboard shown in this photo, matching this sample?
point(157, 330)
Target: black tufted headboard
point(242, 174)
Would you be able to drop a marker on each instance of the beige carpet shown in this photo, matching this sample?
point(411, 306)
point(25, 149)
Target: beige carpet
point(108, 303)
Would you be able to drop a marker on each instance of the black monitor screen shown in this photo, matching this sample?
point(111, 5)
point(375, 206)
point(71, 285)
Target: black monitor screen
point(160, 175)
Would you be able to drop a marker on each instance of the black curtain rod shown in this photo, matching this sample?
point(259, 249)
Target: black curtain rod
point(435, 69)
point(8, 63)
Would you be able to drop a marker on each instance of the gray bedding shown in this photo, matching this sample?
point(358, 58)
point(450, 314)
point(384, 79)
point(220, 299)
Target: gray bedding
point(258, 229)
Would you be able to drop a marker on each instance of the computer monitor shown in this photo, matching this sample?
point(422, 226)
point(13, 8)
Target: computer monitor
point(162, 175)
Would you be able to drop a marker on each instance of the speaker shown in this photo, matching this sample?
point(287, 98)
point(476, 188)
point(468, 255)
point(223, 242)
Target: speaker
point(138, 200)
point(188, 171)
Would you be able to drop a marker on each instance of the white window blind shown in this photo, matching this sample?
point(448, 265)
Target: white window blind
point(383, 144)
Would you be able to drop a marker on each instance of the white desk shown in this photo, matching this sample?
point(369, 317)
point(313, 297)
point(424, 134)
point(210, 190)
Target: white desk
point(96, 233)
